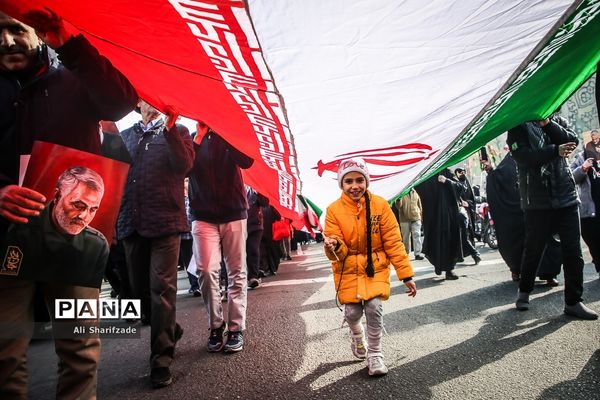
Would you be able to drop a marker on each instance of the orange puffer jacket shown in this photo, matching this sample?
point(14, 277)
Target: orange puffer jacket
point(346, 221)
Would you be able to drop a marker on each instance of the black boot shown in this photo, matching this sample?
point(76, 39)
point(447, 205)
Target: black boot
point(451, 276)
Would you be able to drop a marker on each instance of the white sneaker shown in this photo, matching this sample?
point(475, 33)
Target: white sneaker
point(376, 366)
point(357, 344)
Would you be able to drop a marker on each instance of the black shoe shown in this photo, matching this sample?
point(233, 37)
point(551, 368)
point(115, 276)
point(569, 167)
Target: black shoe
point(215, 340)
point(196, 293)
point(579, 310)
point(235, 342)
point(419, 257)
point(178, 332)
point(451, 276)
point(160, 377)
point(289, 258)
point(476, 258)
point(253, 283)
point(522, 302)
point(113, 293)
point(552, 282)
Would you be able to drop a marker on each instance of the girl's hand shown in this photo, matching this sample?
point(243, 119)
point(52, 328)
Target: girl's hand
point(330, 243)
point(411, 288)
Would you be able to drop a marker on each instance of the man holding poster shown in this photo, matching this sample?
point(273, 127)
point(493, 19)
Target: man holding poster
point(60, 103)
point(60, 244)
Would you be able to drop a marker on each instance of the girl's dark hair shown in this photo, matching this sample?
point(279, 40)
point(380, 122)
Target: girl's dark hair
point(370, 270)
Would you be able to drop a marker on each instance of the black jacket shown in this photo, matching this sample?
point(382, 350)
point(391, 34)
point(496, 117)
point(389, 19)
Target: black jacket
point(256, 202)
point(217, 193)
point(63, 104)
point(545, 179)
point(37, 251)
point(114, 148)
point(153, 202)
point(465, 193)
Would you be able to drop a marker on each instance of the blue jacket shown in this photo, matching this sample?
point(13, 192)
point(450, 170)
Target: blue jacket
point(217, 193)
point(153, 202)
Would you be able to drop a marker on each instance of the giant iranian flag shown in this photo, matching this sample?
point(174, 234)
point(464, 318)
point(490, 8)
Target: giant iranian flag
point(411, 86)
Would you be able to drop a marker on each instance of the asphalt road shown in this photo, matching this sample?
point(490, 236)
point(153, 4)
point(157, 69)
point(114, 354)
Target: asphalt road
point(456, 340)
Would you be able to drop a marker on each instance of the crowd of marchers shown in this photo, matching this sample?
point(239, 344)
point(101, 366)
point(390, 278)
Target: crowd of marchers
point(185, 206)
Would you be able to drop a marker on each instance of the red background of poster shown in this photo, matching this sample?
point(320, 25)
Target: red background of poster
point(49, 160)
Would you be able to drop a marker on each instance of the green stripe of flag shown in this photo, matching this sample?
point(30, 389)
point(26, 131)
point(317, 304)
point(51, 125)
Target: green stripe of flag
point(554, 72)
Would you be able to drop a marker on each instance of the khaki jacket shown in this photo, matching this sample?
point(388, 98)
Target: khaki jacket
point(346, 221)
point(409, 207)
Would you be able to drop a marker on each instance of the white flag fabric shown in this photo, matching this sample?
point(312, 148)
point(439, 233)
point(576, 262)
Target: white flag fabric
point(411, 86)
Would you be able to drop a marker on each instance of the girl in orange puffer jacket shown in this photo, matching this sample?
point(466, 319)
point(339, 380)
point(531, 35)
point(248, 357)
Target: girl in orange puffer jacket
point(361, 261)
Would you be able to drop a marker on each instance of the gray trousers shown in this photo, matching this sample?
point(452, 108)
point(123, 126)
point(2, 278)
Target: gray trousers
point(211, 241)
point(373, 310)
point(78, 356)
point(413, 229)
point(286, 247)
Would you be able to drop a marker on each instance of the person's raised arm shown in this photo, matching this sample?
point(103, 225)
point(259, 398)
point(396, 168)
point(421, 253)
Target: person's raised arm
point(524, 154)
point(558, 131)
point(181, 149)
point(242, 160)
point(109, 91)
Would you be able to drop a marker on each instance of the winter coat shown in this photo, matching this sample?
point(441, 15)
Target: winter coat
point(545, 179)
point(409, 207)
point(217, 193)
point(153, 201)
point(256, 202)
point(61, 105)
point(587, 208)
point(346, 222)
